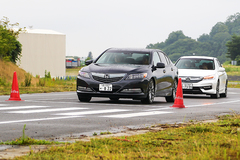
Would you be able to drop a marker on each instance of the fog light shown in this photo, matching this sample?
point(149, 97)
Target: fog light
point(80, 88)
point(132, 90)
point(207, 87)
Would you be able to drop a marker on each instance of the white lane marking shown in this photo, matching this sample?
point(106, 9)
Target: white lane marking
point(91, 112)
point(3, 104)
point(232, 92)
point(51, 94)
point(40, 119)
point(22, 107)
point(46, 110)
point(208, 104)
point(165, 108)
point(198, 105)
point(129, 115)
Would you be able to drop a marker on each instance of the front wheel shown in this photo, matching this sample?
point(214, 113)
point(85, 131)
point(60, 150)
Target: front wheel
point(150, 93)
point(84, 98)
point(173, 96)
point(217, 95)
point(225, 93)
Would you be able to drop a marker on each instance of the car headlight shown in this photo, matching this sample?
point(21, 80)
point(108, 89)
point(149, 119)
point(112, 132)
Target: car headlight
point(137, 76)
point(83, 74)
point(210, 77)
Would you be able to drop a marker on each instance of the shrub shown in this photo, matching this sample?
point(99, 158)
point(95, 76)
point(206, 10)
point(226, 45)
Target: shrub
point(28, 79)
point(47, 74)
point(42, 82)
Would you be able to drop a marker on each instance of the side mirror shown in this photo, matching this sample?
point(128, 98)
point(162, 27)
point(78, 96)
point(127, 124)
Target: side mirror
point(88, 62)
point(221, 69)
point(160, 65)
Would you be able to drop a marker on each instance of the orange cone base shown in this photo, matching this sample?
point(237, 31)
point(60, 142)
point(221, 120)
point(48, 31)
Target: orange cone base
point(14, 99)
point(178, 106)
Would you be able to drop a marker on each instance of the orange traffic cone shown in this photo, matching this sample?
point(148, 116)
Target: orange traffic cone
point(15, 90)
point(178, 103)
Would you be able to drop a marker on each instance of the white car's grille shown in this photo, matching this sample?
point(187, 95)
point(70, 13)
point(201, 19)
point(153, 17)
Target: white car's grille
point(191, 79)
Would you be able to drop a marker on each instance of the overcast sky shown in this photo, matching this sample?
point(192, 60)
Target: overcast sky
point(95, 25)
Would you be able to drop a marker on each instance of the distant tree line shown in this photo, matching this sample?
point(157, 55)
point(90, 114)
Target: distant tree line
point(10, 47)
point(212, 44)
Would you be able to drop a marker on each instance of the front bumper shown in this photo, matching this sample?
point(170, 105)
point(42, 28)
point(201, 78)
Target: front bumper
point(202, 87)
point(135, 89)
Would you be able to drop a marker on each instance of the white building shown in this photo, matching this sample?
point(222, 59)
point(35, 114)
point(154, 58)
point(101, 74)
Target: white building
point(43, 50)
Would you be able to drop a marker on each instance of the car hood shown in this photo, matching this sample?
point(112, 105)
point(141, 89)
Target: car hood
point(195, 72)
point(113, 68)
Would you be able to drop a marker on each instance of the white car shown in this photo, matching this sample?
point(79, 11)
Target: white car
point(202, 75)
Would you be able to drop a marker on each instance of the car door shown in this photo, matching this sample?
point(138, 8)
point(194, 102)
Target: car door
point(158, 74)
point(221, 75)
point(169, 73)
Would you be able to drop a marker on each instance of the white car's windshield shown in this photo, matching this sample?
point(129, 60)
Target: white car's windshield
point(195, 63)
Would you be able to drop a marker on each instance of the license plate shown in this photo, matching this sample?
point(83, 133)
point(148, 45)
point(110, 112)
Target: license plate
point(187, 86)
point(105, 87)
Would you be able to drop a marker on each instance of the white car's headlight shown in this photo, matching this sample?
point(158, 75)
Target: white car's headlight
point(210, 77)
point(83, 74)
point(137, 76)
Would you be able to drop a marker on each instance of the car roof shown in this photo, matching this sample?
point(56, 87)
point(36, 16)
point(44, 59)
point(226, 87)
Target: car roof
point(198, 57)
point(134, 49)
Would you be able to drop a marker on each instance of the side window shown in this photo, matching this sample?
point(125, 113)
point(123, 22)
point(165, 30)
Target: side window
point(168, 60)
point(163, 58)
point(219, 63)
point(156, 58)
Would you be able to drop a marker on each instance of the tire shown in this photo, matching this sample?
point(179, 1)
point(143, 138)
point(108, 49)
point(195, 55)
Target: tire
point(217, 95)
point(225, 93)
point(150, 93)
point(84, 98)
point(174, 90)
point(114, 99)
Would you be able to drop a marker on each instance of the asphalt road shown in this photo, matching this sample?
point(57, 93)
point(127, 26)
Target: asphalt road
point(58, 115)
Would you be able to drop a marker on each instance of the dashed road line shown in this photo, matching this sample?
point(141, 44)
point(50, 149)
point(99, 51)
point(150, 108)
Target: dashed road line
point(46, 110)
point(130, 115)
point(22, 107)
point(39, 119)
point(91, 112)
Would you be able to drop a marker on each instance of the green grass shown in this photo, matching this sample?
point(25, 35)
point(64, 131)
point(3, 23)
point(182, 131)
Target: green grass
point(25, 140)
point(45, 85)
point(232, 70)
point(220, 140)
point(72, 71)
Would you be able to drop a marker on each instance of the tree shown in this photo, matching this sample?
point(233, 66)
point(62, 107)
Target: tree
point(175, 36)
point(10, 47)
point(90, 56)
point(233, 47)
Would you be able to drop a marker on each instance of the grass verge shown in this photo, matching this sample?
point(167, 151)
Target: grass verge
point(220, 140)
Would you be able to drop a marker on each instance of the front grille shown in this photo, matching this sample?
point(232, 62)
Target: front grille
point(191, 79)
point(107, 78)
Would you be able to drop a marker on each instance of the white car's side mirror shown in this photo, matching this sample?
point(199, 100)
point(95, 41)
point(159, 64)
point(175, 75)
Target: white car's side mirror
point(221, 69)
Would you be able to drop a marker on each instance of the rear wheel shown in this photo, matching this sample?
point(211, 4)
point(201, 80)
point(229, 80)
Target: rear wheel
point(217, 95)
point(150, 94)
point(84, 98)
point(225, 93)
point(173, 96)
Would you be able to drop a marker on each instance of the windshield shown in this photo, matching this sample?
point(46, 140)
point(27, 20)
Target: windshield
point(124, 57)
point(194, 63)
